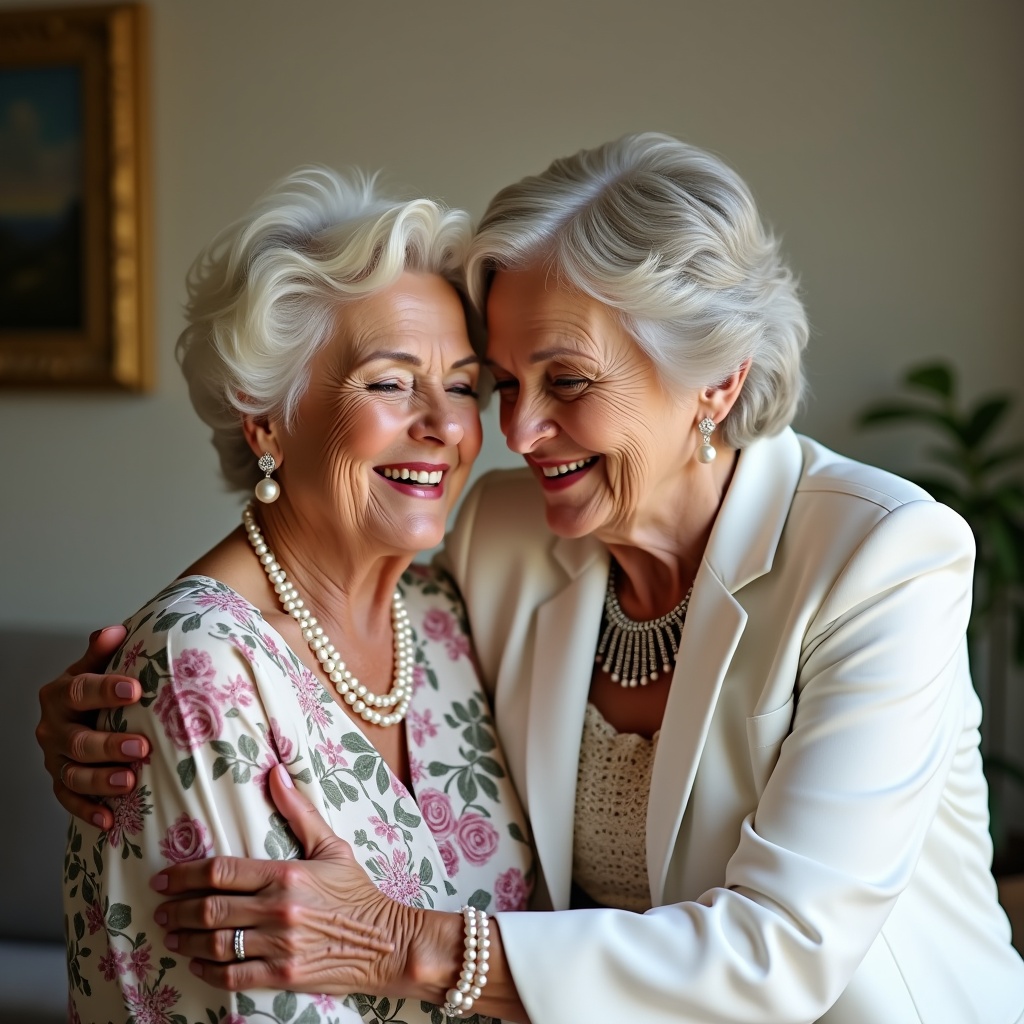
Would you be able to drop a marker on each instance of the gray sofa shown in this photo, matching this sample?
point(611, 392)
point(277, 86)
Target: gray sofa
point(33, 979)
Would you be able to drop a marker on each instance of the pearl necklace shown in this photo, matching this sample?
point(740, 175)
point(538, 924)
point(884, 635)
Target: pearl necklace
point(383, 709)
point(627, 647)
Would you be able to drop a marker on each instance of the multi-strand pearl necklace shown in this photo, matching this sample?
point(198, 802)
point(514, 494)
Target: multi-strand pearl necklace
point(628, 650)
point(383, 709)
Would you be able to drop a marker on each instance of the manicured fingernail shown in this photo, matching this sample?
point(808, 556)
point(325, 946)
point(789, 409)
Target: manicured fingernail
point(97, 820)
point(171, 941)
point(132, 748)
point(124, 689)
point(159, 882)
point(286, 779)
point(196, 968)
point(161, 918)
point(119, 779)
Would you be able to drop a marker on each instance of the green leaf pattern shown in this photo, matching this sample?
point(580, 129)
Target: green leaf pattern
point(224, 701)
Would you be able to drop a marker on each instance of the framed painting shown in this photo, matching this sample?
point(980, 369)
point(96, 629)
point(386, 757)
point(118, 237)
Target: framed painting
point(74, 203)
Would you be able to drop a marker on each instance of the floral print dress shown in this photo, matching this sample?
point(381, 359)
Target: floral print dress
point(225, 700)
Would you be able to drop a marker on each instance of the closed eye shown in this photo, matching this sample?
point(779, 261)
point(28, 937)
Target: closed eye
point(570, 383)
point(507, 388)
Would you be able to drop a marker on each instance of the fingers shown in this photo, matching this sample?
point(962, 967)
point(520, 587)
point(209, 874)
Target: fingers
point(223, 874)
point(84, 808)
point(75, 785)
point(74, 693)
point(88, 746)
point(345, 945)
point(70, 748)
point(110, 780)
point(313, 833)
point(102, 645)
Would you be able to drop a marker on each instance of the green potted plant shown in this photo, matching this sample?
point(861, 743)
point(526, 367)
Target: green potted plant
point(966, 466)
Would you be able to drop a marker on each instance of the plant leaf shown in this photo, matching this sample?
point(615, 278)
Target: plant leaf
point(935, 377)
point(887, 413)
point(984, 418)
point(1002, 548)
point(1001, 456)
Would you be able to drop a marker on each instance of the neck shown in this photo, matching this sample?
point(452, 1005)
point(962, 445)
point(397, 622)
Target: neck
point(348, 585)
point(660, 550)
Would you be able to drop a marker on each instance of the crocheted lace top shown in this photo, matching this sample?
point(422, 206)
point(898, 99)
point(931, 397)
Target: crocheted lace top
point(609, 857)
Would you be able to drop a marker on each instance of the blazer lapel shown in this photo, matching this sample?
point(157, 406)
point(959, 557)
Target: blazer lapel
point(741, 548)
point(566, 637)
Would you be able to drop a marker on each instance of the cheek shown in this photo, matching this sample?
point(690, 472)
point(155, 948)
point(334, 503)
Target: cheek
point(359, 429)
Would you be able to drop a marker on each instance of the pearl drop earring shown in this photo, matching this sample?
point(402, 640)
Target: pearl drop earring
point(706, 452)
point(267, 490)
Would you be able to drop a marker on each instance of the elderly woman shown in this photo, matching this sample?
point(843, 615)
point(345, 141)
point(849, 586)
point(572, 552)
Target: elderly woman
point(728, 665)
point(327, 349)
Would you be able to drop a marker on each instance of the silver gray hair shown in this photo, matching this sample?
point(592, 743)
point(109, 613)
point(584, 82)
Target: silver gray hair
point(266, 294)
point(669, 237)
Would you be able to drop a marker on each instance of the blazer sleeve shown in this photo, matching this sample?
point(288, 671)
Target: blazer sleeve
point(835, 837)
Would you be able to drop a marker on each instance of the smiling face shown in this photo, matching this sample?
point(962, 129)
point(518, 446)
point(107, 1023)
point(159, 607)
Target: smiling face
point(388, 428)
point(609, 445)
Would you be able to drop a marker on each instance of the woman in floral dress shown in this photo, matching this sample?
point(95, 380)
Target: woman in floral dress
point(326, 339)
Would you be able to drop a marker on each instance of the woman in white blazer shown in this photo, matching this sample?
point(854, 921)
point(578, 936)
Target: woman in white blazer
point(728, 665)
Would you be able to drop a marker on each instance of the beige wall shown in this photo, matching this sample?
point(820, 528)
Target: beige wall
point(883, 139)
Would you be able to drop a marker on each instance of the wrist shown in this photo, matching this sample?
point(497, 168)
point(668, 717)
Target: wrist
point(434, 955)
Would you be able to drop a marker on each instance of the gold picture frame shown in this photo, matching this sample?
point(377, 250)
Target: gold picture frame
point(75, 305)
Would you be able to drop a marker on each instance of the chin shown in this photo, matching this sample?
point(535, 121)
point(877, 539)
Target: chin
point(570, 523)
point(423, 536)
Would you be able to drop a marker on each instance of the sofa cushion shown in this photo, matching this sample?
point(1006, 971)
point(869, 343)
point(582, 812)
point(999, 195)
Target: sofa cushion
point(32, 849)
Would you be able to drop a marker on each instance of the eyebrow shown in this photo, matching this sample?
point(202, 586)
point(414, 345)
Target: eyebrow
point(411, 360)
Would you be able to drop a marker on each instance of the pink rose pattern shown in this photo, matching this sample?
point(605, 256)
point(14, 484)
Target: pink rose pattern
point(437, 812)
point(202, 653)
point(185, 840)
point(511, 891)
point(477, 838)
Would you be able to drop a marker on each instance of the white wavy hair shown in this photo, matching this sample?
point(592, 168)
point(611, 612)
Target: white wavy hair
point(669, 237)
point(266, 293)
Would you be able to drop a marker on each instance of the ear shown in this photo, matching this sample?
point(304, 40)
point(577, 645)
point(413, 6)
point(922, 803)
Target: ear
point(717, 399)
point(263, 435)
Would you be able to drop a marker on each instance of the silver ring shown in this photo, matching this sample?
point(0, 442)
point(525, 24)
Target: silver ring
point(239, 943)
point(65, 765)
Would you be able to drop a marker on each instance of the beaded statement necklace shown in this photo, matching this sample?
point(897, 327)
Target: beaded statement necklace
point(629, 650)
point(383, 709)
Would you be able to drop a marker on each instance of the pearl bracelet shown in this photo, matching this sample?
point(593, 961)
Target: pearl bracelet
point(475, 954)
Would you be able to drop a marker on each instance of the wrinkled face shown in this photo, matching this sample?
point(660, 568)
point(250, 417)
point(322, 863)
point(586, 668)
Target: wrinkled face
point(606, 441)
point(389, 427)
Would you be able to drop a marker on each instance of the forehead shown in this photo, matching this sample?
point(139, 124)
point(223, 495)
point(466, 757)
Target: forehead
point(529, 312)
point(419, 313)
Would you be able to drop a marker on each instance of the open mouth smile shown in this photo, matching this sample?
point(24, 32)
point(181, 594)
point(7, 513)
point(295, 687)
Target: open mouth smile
point(555, 476)
point(565, 468)
point(417, 479)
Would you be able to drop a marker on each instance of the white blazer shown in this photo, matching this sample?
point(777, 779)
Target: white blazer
point(817, 832)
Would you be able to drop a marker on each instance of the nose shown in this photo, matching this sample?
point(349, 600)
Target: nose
point(438, 420)
point(524, 424)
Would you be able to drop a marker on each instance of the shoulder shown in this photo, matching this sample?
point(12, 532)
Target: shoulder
point(870, 531)
point(192, 614)
point(888, 506)
point(828, 472)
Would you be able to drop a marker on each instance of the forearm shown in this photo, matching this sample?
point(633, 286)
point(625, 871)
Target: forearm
point(435, 961)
